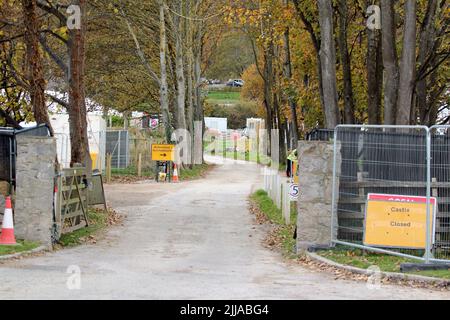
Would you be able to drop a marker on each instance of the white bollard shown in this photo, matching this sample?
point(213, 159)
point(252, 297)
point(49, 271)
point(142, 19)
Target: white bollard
point(279, 190)
point(286, 205)
point(265, 179)
point(272, 186)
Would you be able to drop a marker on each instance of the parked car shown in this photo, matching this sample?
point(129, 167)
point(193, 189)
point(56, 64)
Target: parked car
point(235, 83)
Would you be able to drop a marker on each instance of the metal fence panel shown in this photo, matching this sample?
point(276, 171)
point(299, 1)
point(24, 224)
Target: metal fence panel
point(117, 144)
point(440, 172)
point(383, 160)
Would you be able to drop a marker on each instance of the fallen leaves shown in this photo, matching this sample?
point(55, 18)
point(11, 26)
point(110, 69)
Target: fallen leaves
point(129, 179)
point(114, 218)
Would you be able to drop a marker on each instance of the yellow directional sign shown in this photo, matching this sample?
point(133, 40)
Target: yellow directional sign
point(163, 152)
point(397, 224)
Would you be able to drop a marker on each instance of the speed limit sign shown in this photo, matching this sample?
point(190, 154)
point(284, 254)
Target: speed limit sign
point(293, 192)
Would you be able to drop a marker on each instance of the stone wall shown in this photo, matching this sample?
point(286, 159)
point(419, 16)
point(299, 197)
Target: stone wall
point(316, 187)
point(35, 171)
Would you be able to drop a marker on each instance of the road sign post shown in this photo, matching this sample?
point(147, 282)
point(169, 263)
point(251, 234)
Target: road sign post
point(164, 155)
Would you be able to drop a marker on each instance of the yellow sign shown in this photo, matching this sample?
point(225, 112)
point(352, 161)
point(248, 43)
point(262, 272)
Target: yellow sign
point(295, 171)
point(397, 224)
point(163, 152)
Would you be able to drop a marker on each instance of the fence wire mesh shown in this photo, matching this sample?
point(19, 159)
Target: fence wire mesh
point(440, 188)
point(378, 160)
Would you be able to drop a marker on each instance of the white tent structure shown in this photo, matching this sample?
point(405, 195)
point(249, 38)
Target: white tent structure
point(59, 120)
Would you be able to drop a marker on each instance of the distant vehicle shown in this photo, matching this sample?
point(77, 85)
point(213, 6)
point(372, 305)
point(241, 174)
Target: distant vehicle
point(235, 83)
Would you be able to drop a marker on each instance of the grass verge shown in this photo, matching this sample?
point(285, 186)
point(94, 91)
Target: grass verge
point(364, 259)
point(98, 219)
point(197, 171)
point(281, 235)
point(21, 247)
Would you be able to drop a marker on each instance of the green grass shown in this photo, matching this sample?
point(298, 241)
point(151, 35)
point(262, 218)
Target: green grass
point(252, 156)
point(22, 247)
point(363, 259)
point(266, 205)
point(196, 172)
point(223, 97)
point(131, 171)
point(443, 274)
point(387, 263)
point(270, 210)
point(97, 221)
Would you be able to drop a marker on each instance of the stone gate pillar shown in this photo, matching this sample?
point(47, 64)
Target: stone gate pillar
point(316, 187)
point(35, 172)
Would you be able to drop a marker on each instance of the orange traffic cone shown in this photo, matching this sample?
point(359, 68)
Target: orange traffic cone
point(175, 174)
point(7, 236)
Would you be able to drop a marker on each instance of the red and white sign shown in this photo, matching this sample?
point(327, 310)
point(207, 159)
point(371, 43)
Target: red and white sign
point(154, 123)
point(399, 198)
point(408, 199)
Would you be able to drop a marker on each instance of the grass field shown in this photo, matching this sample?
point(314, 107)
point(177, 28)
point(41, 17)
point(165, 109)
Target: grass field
point(223, 97)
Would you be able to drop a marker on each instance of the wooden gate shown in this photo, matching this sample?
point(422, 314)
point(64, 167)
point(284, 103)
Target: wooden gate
point(71, 201)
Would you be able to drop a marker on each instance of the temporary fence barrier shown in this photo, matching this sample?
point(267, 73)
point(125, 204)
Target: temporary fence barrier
point(391, 190)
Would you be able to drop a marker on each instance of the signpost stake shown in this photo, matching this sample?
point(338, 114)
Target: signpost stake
point(286, 203)
point(108, 167)
point(139, 166)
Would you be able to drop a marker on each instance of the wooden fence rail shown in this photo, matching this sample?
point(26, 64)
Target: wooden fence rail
point(71, 201)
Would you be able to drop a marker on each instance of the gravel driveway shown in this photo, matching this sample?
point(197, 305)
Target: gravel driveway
point(193, 240)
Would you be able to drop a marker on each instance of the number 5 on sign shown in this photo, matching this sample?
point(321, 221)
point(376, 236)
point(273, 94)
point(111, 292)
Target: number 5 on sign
point(293, 192)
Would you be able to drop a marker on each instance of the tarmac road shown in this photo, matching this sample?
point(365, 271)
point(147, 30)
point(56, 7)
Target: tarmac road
point(193, 240)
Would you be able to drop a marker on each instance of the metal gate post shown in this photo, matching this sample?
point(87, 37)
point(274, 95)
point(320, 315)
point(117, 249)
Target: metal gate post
point(333, 196)
point(118, 150)
point(428, 224)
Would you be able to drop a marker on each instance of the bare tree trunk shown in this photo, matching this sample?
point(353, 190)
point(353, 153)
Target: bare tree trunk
point(179, 69)
point(164, 91)
point(288, 76)
point(35, 72)
point(328, 60)
point(279, 126)
point(268, 96)
point(190, 81)
point(407, 65)
point(349, 101)
point(77, 107)
point(426, 39)
point(374, 75)
point(198, 104)
point(390, 61)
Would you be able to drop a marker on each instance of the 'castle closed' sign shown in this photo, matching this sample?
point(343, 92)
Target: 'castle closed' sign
point(397, 221)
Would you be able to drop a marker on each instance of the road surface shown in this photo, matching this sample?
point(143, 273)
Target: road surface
point(193, 240)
